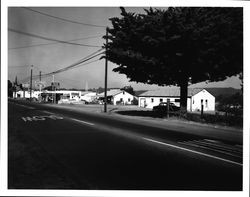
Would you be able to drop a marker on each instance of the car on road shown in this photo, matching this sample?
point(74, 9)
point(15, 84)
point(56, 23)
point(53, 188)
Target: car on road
point(163, 107)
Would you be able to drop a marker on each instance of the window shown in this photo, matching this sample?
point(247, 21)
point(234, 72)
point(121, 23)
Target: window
point(128, 99)
point(193, 101)
point(152, 100)
point(201, 101)
point(121, 99)
point(206, 103)
point(177, 100)
point(161, 99)
point(74, 94)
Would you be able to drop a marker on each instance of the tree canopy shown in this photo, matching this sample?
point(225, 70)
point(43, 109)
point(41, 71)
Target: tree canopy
point(129, 89)
point(177, 45)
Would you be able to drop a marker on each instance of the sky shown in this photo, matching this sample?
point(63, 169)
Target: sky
point(48, 56)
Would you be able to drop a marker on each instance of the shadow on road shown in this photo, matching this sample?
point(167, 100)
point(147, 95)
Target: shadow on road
point(141, 113)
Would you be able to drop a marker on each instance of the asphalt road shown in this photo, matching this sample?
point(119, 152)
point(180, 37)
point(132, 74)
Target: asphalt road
point(102, 151)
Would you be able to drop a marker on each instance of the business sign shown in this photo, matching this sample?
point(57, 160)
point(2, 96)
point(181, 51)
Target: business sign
point(41, 84)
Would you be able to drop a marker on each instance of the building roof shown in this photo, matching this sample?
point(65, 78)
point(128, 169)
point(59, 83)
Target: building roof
point(223, 91)
point(112, 92)
point(139, 92)
point(169, 91)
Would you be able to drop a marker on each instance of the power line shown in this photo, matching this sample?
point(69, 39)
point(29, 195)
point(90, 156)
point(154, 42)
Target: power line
point(76, 64)
point(57, 72)
point(50, 39)
point(73, 65)
point(63, 19)
point(36, 45)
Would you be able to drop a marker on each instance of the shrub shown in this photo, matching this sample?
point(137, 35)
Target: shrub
point(229, 120)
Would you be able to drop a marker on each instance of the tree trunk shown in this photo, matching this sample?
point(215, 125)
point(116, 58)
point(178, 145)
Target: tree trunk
point(183, 95)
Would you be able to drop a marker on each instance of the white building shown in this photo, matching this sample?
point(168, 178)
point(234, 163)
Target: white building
point(117, 96)
point(26, 94)
point(88, 96)
point(68, 94)
point(196, 98)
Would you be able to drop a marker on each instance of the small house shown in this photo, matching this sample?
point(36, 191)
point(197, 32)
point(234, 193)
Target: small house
point(117, 96)
point(196, 98)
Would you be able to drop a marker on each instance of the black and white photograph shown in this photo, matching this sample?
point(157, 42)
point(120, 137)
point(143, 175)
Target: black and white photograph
point(121, 98)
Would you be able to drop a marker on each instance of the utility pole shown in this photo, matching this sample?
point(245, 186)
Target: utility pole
point(53, 88)
point(40, 77)
point(15, 86)
point(106, 73)
point(31, 83)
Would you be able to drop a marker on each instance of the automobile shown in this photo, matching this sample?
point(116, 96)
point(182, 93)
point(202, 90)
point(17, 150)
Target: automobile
point(84, 101)
point(163, 107)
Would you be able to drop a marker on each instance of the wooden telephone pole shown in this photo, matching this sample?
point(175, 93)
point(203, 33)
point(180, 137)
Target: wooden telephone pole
point(31, 83)
point(106, 73)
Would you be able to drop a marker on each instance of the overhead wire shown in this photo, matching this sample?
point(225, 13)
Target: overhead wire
point(36, 45)
point(50, 39)
point(76, 64)
point(72, 66)
point(63, 19)
point(59, 71)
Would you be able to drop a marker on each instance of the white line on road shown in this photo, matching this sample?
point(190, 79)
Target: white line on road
point(26, 106)
point(82, 121)
point(47, 112)
point(192, 151)
point(209, 148)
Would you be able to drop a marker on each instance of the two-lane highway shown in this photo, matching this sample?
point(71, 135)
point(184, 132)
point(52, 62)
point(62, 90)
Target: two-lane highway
point(105, 152)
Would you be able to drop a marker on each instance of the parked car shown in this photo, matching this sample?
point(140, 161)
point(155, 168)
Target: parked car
point(163, 107)
point(84, 101)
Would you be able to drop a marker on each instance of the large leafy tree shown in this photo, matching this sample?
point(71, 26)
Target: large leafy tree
point(177, 45)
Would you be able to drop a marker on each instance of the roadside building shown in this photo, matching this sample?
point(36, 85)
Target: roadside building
point(66, 96)
point(88, 96)
point(118, 97)
point(69, 94)
point(26, 94)
point(196, 98)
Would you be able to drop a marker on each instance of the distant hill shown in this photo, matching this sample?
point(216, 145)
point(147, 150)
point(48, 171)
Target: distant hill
point(223, 91)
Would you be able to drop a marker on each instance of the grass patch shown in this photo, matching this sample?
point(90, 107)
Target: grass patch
point(224, 120)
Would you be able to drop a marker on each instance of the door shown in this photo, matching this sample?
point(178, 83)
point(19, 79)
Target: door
point(142, 102)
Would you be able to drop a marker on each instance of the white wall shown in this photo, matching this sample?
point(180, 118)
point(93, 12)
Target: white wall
point(208, 101)
point(89, 96)
point(26, 94)
point(126, 98)
point(150, 102)
point(193, 103)
point(73, 94)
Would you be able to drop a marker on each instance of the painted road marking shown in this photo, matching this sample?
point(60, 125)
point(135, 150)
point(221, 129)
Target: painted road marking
point(47, 112)
point(211, 149)
point(26, 106)
point(215, 146)
point(39, 118)
point(88, 123)
point(192, 151)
